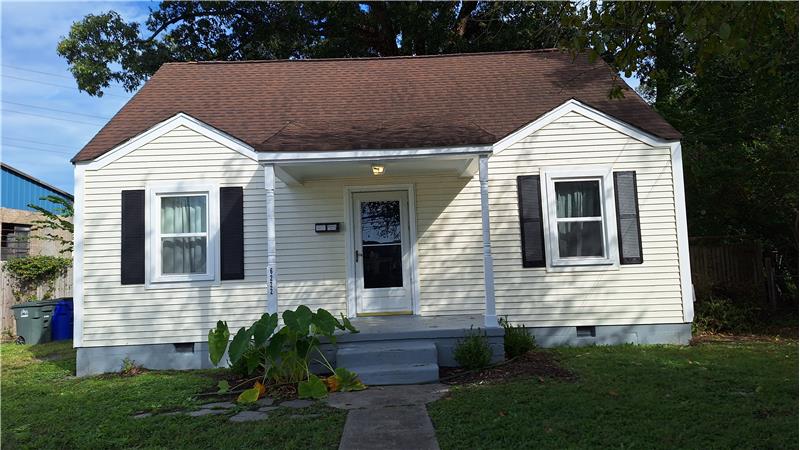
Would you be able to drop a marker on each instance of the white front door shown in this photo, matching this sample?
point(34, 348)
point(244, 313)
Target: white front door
point(382, 253)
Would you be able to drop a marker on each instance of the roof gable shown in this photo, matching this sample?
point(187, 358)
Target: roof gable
point(404, 102)
point(160, 129)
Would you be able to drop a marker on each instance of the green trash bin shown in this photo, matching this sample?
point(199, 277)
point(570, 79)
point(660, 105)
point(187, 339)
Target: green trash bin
point(33, 321)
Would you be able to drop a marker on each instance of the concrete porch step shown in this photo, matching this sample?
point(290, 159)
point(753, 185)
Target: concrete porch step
point(391, 362)
point(382, 353)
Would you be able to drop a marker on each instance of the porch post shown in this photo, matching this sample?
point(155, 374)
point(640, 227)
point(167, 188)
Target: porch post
point(272, 275)
point(488, 266)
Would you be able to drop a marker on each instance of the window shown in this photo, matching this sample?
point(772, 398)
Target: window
point(182, 230)
point(15, 241)
point(579, 204)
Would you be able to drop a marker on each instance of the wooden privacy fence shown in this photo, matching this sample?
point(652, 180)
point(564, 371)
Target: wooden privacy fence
point(719, 263)
point(63, 288)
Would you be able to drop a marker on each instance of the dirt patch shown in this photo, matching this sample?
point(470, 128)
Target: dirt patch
point(788, 335)
point(535, 364)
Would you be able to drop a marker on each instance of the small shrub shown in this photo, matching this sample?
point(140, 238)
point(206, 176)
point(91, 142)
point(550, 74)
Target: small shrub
point(722, 315)
point(130, 368)
point(516, 341)
point(473, 351)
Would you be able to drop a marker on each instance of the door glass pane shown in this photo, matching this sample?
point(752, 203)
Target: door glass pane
point(577, 199)
point(183, 214)
point(580, 239)
point(183, 255)
point(383, 266)
point(380, 222)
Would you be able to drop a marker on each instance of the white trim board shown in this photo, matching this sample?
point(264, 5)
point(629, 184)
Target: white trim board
point(369, 155)
point(575, 106)
point(687, 289)
point(153, 278)
point(350, 274)
point(178, 120)
point(604, 175)
point(77, 256)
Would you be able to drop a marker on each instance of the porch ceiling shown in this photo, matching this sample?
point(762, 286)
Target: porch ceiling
point(300, 172)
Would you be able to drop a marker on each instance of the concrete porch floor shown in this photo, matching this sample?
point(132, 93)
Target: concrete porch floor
point(382, 328)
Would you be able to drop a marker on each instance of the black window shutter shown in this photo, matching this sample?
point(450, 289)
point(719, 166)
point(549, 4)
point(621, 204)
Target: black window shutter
point(629, 231)
point(231, 227)
point(132, 248)
point(529, 198)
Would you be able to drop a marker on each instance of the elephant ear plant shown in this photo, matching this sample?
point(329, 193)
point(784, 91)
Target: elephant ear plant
point(282, 355)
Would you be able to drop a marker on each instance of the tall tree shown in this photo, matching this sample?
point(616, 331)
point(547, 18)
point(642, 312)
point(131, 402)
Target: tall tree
point(726, 75)
point(104, 48)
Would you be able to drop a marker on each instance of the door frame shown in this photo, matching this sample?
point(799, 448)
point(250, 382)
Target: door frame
point(352, 307)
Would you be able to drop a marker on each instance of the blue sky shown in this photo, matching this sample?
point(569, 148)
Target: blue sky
point(45, 119)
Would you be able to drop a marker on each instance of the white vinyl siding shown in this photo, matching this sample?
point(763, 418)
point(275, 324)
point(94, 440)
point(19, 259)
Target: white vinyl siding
point(632, 294)
point(311, 267)
point(118, 315)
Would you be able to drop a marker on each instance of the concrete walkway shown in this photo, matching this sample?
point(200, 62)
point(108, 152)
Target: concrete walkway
point(388, 417)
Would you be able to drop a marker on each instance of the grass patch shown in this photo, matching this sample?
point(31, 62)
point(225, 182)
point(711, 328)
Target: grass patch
point(45, 406)
point(714, 395)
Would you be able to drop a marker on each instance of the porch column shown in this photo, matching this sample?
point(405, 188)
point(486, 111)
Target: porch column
point(272, 274)
point(488, 266)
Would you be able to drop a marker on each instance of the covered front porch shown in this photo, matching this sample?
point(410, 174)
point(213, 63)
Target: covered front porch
point(385, 232)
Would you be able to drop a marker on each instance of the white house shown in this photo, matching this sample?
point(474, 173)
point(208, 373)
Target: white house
point(418, 195)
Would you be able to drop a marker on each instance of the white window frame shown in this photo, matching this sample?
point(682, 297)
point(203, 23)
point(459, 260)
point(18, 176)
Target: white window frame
point(155, 279)
point(603, 175)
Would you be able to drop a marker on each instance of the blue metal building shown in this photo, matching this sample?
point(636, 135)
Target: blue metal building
point(18, 190)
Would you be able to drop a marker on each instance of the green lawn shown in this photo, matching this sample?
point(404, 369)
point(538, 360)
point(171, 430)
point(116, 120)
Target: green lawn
point(704, 396)
point(45, 406)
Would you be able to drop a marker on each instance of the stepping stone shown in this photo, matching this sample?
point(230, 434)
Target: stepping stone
point(248, 416)
point(267, 408)
point(219, 405)
point(266, 401)
point(174, 413)
point(142, 415)
point(297, 404)
point(206, 412)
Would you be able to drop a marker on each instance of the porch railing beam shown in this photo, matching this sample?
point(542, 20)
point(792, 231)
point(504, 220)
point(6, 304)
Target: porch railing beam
point(272, 272)
point(488, 265)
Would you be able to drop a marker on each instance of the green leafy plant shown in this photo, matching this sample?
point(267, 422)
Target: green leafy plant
point(57, 222)
point(723, 315)
point(517, 340)
point(281, 354)
point(473, 351)
point(28, 273)
point(313, 387)
point(130, 368)
point(345, 380)
point(341, 379)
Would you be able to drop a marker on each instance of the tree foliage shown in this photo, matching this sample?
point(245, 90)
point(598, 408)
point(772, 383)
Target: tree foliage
point(726, 76)
point(105, 48)
point(57, 222)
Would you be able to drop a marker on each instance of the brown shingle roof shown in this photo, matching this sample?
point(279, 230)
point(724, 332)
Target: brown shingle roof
point(400, 102)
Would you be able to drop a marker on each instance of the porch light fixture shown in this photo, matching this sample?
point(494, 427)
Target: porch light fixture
point(377, 169)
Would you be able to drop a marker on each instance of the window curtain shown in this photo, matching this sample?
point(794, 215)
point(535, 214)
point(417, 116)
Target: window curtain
point(579, 199)
point(181, 215)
